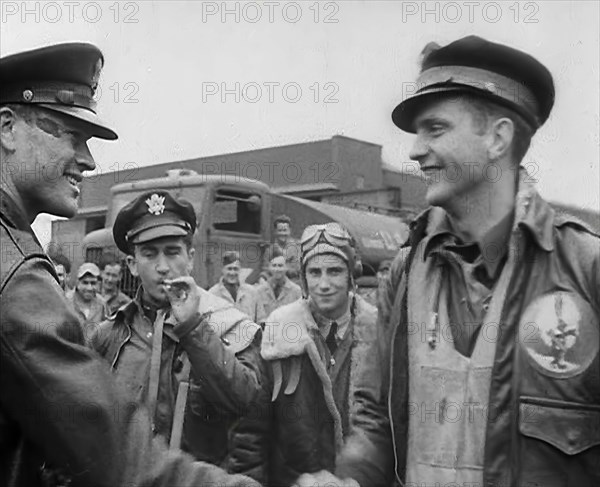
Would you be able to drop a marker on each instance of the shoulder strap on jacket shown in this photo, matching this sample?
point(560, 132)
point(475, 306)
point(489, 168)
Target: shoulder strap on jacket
point(180, 403)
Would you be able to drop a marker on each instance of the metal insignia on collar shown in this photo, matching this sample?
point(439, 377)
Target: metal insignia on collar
point(156, 204)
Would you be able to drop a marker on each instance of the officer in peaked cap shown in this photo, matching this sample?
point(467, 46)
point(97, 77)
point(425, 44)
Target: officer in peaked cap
point(62, 78)
point(47, 115)
point(150, 216)
point(476, 108)
point(47, 102)
point(495, 72)
point(168, 320)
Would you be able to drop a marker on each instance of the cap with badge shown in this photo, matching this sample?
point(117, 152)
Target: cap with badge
point(153, 215)
point(88, 268)
point(62, 78)
point(475, 66)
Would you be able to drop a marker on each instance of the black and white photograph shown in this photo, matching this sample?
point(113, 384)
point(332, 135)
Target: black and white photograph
point(300, 243)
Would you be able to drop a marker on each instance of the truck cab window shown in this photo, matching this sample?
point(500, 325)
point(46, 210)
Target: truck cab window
point(236, 211)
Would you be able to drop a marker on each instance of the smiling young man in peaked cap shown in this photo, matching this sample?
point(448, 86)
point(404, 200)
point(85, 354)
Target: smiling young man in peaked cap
point(63, 418)
point(489, 367)
point(190, 356)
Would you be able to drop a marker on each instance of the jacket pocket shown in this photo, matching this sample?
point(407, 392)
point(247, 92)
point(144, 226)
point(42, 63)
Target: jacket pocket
point(570, 427)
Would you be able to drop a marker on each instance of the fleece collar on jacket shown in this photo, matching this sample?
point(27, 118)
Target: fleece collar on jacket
point(288, 335)
point(288, 331)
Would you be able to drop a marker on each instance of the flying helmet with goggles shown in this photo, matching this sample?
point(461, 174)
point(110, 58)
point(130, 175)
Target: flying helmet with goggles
point(329, 238)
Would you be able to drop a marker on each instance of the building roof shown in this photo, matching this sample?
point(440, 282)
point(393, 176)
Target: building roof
point(292, 165)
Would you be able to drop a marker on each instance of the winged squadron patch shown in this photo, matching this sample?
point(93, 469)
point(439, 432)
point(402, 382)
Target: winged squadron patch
point(559, 332)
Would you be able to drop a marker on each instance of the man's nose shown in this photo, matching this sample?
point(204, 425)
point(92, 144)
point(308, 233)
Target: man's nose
point(324, 282)
point(84, 157)
point(419, 149)
point(161, 264)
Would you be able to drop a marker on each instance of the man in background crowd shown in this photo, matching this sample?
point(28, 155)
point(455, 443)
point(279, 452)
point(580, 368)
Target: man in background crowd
point(383, 271)
point(86, 299)
point(230, 288)
point(290, 247)
point(62, 266)
point(277, 290)
point(111, 292)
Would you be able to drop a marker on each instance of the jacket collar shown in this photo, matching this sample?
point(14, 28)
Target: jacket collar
point(276, 344)
point(324, 323)
point(13, 213)
point(531, 212)
point(127, 313)
point(535, 214)
point(134, 306)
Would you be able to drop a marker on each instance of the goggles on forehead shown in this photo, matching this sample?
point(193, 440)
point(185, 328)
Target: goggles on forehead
point(331, 233)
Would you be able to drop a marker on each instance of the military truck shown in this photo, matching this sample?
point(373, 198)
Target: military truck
point(236, 213)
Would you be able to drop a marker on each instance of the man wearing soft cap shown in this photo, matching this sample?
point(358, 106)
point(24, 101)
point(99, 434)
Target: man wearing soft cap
point(489, 322)
point(85, 297)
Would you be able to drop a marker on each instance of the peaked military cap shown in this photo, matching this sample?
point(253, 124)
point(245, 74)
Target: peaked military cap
point(474, 65)
point(153, 215)
point(62, 77)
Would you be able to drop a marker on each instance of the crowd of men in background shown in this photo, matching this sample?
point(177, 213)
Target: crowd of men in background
point(97, 293)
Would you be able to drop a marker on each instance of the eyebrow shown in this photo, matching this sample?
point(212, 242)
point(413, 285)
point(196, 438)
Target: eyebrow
point(143, 247)
point(173, 247)
point(431, 120)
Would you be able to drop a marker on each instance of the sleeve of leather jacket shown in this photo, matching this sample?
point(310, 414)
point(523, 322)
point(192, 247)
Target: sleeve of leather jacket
point(367, 456)
point(231, 380)
point(248, 453)
point(63, 398)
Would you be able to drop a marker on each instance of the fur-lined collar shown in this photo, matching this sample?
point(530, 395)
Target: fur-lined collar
point(287, 331)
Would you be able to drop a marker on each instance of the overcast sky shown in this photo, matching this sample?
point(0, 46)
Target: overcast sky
point(297, 72)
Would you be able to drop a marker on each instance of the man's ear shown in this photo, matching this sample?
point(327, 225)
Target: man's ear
point(502, 132)
point(132, 264)
point(191, 253)
point(8, 120)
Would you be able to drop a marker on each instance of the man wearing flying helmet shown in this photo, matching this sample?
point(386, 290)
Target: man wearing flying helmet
point(315, 348)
